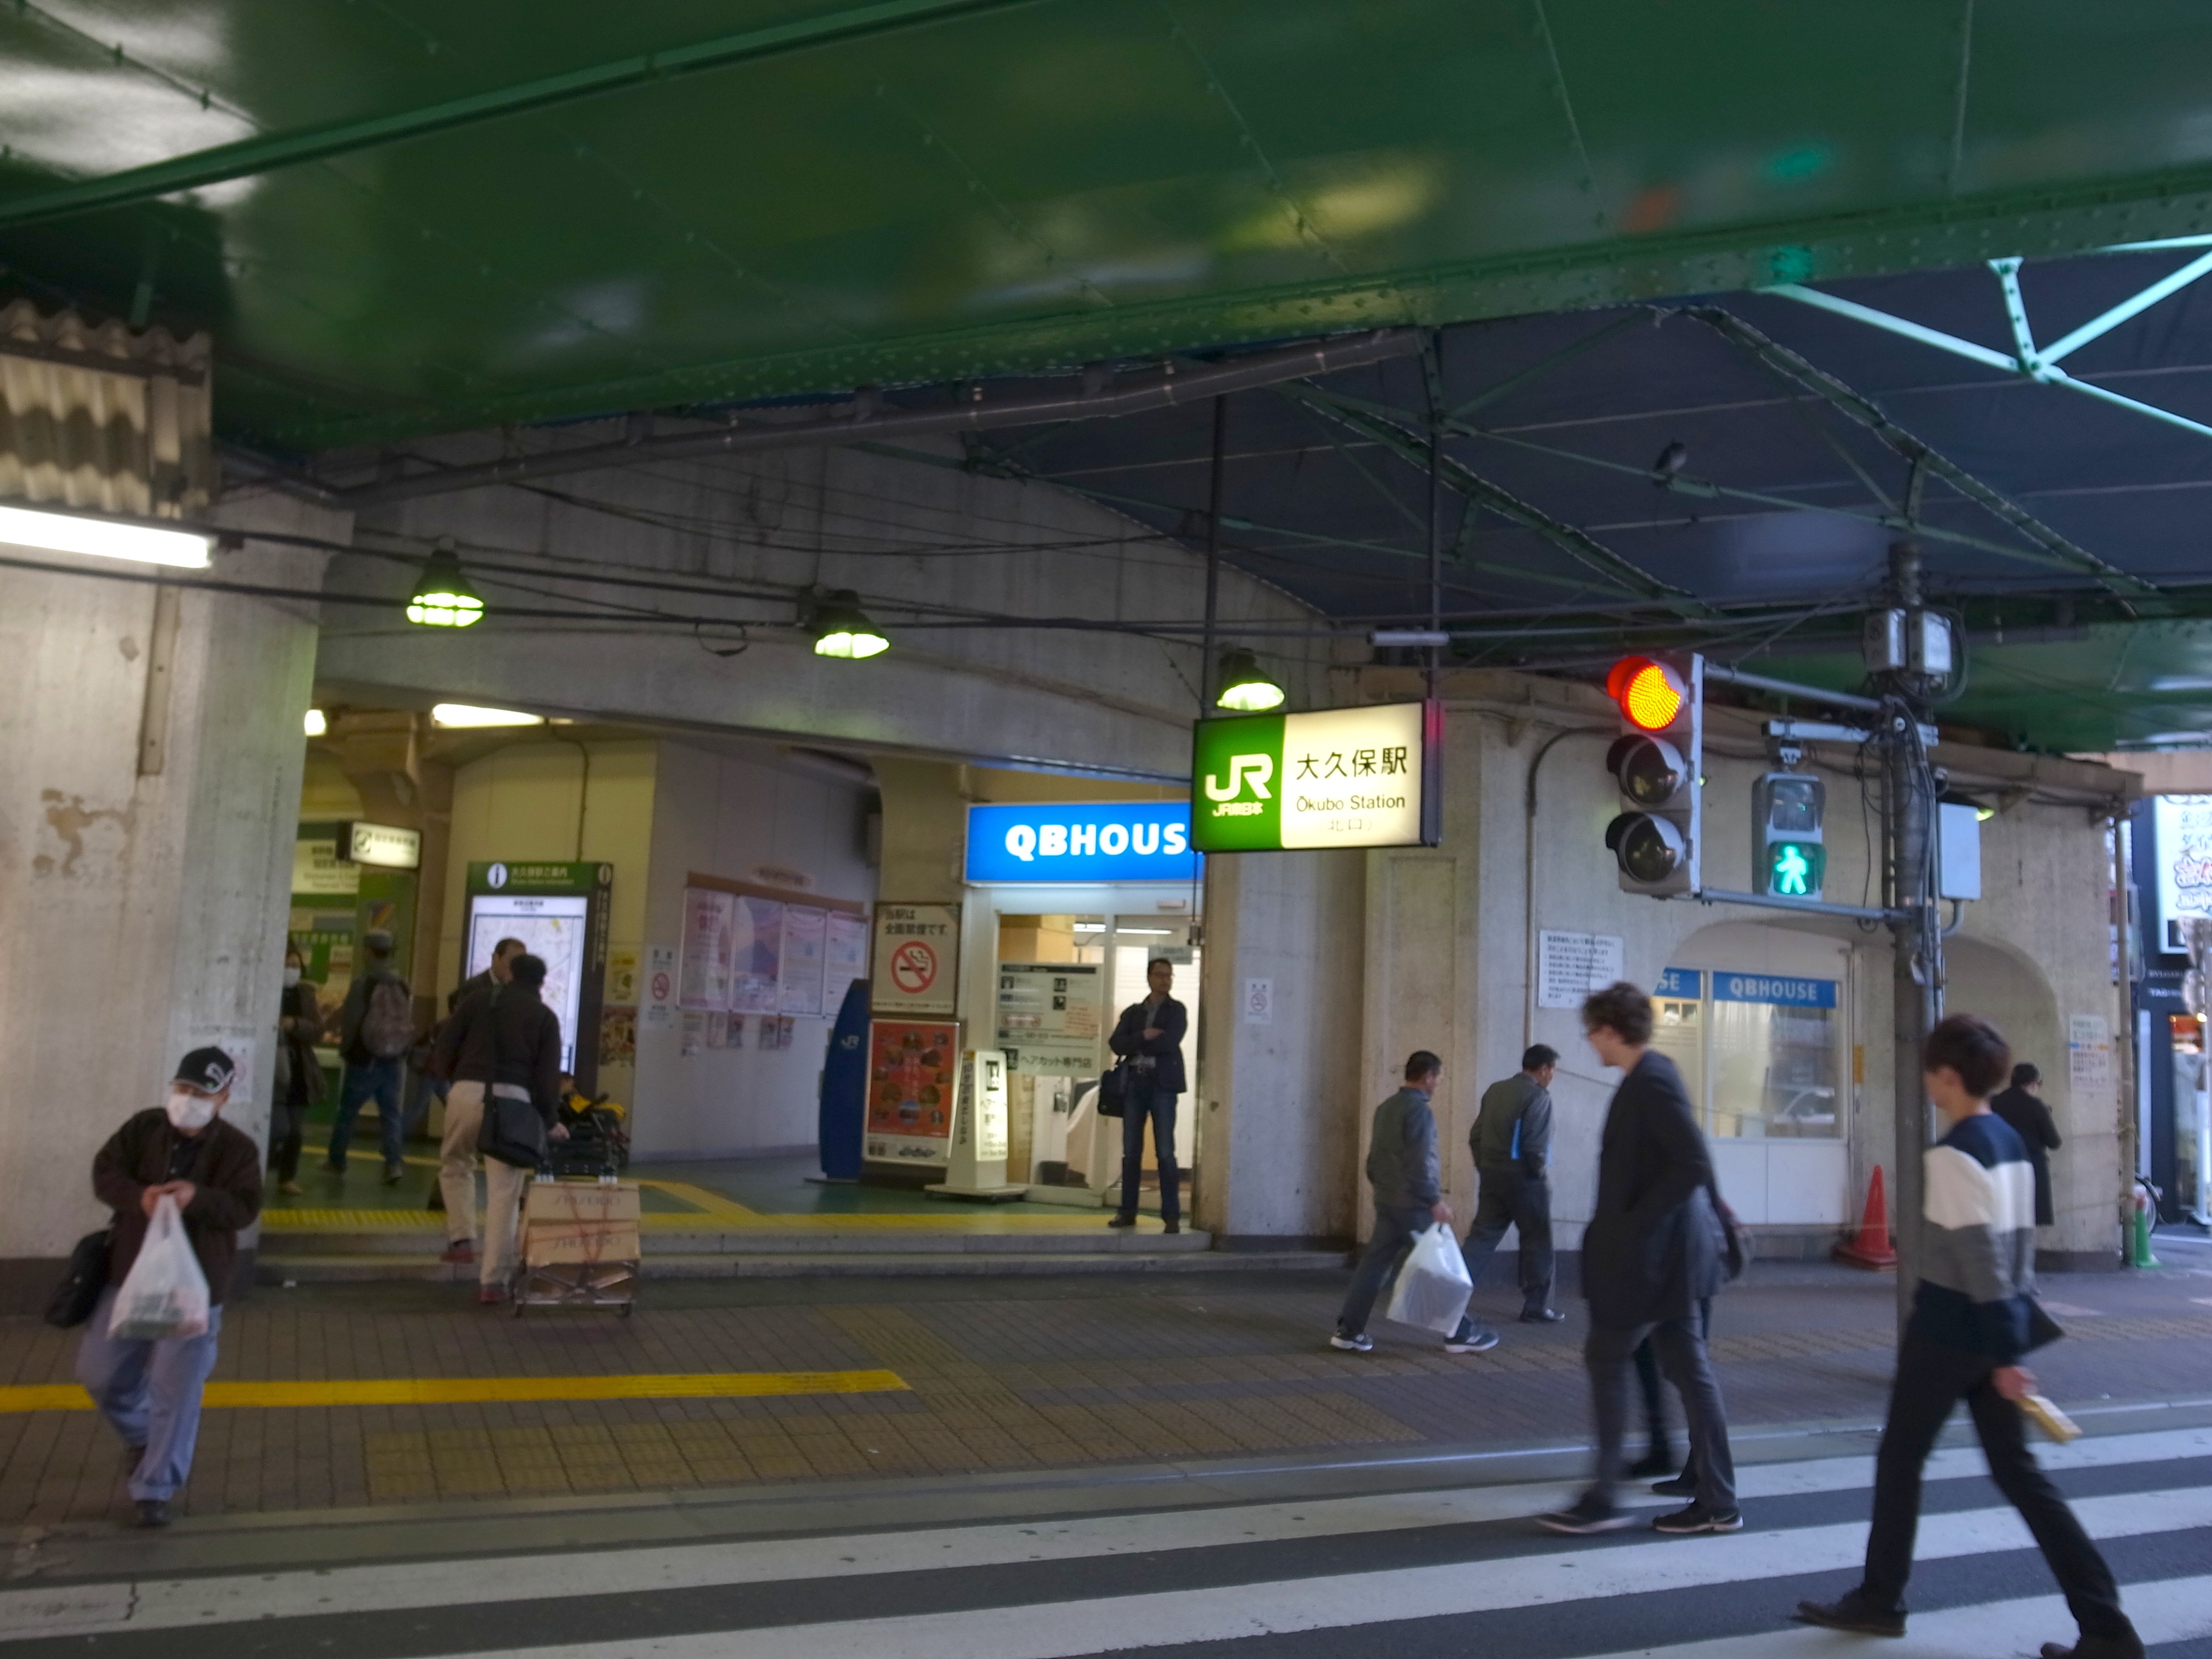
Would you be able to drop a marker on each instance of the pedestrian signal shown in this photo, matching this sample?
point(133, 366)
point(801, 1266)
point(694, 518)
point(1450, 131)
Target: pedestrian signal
point(1787, 854)
point(1655, 765)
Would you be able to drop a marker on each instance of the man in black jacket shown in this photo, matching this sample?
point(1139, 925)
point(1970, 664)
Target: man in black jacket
point(503, 1040)
point(2022, 1107)
point(1651, 1252)
point(149, 1391)
point(1512, 1142)
point(1149, 1037)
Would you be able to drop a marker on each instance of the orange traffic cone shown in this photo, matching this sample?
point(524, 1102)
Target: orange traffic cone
point(1871, 1249)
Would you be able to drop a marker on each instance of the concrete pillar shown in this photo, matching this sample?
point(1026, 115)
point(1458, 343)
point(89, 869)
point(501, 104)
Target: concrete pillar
point(1280, 1104)
point(151, 756)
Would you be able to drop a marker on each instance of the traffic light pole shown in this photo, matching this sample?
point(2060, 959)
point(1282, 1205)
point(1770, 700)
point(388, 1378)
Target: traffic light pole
point(1917, 971)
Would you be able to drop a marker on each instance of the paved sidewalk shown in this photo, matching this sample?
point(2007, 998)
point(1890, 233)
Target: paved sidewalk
point(730, 1383)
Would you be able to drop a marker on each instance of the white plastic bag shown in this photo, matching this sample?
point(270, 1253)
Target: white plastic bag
point(165, 1293)
point(1433, 1287)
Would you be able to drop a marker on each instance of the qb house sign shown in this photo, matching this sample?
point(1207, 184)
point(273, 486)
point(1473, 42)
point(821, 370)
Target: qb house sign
point(1341, 777)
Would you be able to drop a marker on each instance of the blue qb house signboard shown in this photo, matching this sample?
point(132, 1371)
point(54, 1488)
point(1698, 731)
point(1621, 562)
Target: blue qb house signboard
point(1068, 841)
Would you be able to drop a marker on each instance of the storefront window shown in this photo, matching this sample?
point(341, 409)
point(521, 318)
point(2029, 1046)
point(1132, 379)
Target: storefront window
point(1759, 1052)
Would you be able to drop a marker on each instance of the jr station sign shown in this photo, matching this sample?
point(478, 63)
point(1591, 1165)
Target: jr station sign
point(1341, 777)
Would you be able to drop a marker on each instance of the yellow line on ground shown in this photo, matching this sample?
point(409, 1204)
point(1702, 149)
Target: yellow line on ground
point(487, 1390)
point(731, 1219)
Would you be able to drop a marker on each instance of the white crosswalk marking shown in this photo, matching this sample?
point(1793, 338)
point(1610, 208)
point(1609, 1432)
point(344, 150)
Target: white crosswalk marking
point(1034, 1595)
point(198, 1602)
point(1063, 1630)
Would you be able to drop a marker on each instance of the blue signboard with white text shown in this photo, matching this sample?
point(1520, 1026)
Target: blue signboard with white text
point(1680, 982)
point(1071, 841)
point(1779, 990)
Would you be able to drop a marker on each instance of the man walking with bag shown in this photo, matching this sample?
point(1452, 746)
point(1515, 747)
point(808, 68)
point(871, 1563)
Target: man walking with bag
point(502, 1043)
point(1652, 1252)
point(150, 1391)
point(1408, 1186)
point(1974, 1315)
point(1512, 1144)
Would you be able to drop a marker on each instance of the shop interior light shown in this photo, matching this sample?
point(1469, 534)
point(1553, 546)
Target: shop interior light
point(841, 629)
point(107, 538)
point(318, 723)
point(462, 716)
point(1245, 686)
point(443, 598)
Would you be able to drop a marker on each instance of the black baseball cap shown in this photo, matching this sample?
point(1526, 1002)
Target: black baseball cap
point(209, 1069)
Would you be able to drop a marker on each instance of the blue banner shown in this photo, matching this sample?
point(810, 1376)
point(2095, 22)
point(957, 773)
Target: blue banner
point(1680, 982)
point(1070, 842)
point(1778, 989)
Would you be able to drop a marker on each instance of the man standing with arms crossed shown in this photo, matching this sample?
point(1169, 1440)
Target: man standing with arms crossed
point(1973, 1317)
point(1512, 1141)
point(1651, 1252)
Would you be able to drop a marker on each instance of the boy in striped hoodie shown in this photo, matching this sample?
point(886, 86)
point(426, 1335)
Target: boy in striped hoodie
point(1973, 1315)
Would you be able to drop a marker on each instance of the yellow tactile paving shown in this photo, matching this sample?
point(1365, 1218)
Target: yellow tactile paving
point(488, 1390)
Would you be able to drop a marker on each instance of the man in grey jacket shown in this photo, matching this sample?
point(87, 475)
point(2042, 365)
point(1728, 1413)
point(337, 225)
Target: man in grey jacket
point(1408, 1185)
point(1512, 1142)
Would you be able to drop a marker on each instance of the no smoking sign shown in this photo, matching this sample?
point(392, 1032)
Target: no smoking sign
point(914, 967)
point(916, 958)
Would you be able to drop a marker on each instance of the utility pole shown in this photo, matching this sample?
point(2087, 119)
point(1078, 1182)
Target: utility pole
point(1911, 654)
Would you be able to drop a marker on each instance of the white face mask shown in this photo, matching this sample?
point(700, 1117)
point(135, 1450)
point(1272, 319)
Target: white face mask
point(291, 976)
point(189, 1112)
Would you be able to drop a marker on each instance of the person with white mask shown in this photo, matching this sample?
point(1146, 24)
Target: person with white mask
point(149, 1391)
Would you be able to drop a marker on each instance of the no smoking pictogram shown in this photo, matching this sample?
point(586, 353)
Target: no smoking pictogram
point(661, 988)
point(914, 967)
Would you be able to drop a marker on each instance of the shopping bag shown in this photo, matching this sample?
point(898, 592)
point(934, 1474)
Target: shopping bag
point(165, 1294)
point(1433, 1287)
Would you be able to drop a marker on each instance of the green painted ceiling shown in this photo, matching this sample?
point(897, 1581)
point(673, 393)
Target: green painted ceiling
point(438, 217)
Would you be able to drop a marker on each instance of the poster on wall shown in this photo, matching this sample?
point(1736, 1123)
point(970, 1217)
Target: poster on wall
point(618, 1036)
point(707, 928)
point(1570, 966)
point(757, 958)
point(658, 1013)
point(917, 961)
point(2182, 832)
point(844, 958)
point(805, 937)
point(913, 1080)
point(1051, 1017)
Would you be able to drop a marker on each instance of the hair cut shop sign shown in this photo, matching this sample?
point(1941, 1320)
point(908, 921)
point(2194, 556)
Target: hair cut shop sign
point(917, 961)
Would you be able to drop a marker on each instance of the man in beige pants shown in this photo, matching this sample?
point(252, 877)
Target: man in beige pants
point(502, 1039)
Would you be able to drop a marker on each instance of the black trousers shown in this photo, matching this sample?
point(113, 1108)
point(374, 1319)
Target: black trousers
point(1510, 1198)
point(288, 1126)
point(1930, 1380)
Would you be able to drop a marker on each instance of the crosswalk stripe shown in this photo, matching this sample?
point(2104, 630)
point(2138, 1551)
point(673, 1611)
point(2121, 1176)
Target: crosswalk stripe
point(2166, 1610)
point(93, 1608)
point(1065, 1629)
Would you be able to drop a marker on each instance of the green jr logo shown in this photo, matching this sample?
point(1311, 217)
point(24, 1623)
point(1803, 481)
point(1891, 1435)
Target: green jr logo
point(1254, 769)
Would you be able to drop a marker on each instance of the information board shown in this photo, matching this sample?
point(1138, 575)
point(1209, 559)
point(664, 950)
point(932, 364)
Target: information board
point(1570, 966)
point(1052, 1017)
point(917, 961)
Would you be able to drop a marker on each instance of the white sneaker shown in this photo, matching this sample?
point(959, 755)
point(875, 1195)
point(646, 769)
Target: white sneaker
point(1362, 1343)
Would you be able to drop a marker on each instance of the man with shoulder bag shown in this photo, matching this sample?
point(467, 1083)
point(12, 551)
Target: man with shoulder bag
point(502, 1049)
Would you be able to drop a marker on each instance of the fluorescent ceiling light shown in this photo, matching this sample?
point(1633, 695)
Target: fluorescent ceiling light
point(1152, 933)
point(66, 533)
point(1090, 927)
point(317, 724)
point(461, 715)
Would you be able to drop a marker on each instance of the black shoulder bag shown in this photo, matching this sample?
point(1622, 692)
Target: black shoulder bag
point(512, 1132)
point(78, 1293)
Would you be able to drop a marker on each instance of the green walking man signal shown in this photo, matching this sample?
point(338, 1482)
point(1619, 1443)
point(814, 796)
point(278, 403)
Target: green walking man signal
point(1787, 851)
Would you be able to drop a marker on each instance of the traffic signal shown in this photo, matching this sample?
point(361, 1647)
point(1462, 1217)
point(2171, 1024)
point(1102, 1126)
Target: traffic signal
point(1657, 763)
point(1788, 859)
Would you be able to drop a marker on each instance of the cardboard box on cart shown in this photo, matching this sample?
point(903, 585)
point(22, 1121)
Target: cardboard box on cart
point(565, 1222)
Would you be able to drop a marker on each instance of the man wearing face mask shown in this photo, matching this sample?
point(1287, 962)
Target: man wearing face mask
point(149, 1392)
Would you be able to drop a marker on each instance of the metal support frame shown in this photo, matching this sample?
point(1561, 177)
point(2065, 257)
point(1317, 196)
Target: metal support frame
point(2027, 359)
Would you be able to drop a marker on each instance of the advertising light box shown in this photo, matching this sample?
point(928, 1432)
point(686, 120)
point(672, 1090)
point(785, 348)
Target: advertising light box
point(1078, 841)
point(1341, 777)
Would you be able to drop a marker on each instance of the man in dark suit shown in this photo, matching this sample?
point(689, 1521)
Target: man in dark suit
point(1149, 1035)
point(1651, 1253)
point(2022, 1109)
